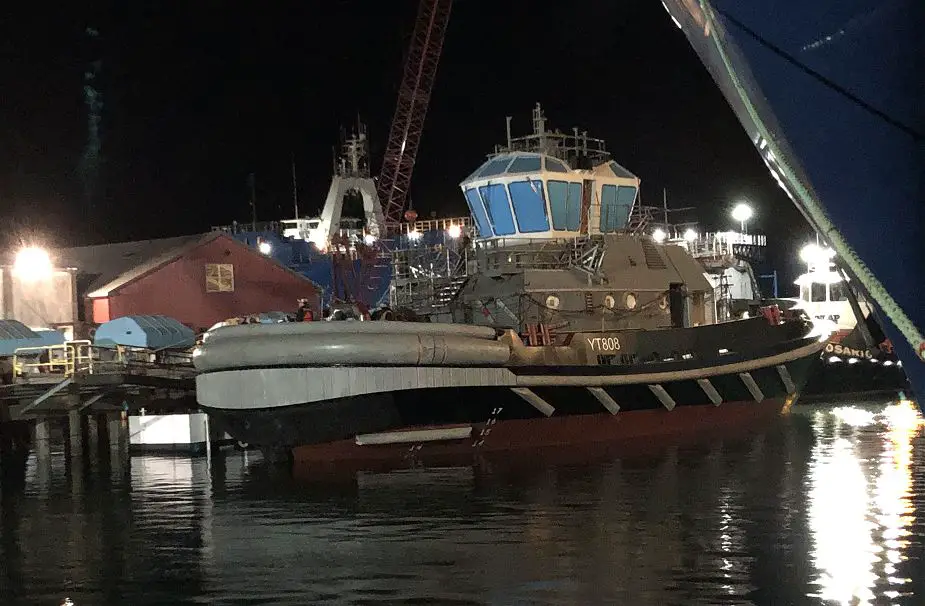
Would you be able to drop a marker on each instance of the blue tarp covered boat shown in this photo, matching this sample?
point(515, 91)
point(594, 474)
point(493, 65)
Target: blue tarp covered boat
point(15, 335)
point(148, 332)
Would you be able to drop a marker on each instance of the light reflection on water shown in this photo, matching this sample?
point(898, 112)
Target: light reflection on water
point(861, 501)
point(823, 508)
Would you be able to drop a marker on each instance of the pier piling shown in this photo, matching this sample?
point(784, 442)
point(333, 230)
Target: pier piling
point(41, 438)
point(117, 430)
point(75, 440)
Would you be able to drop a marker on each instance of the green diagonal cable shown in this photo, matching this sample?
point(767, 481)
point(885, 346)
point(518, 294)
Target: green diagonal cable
point(889, 306)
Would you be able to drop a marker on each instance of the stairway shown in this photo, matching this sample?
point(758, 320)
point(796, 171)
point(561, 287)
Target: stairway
point(653, 257)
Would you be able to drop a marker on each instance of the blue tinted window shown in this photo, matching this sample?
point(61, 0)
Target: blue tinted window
point(525, 164)
point(626, 197)
point(478, 212)
point(620, 171)
point(495, 167)
point(616, 204)
point(555, 166)
point(529, 205)
point(499, 209)
point(565, 205)
point(608, 208)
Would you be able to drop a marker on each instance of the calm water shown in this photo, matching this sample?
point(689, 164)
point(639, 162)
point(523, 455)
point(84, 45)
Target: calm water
point(825, 507)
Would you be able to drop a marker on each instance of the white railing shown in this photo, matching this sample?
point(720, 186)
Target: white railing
point(718, 244)
point(436, 224)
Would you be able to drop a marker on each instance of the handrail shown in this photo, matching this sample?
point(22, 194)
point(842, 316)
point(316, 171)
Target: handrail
point(435, 224)
point(82, 357)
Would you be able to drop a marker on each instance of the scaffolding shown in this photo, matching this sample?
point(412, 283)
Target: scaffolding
point(430, 263)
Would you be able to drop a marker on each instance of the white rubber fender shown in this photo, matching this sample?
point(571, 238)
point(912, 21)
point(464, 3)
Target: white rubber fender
point(331, 348)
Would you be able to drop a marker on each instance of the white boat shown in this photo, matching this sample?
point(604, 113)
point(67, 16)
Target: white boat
point(857, 358)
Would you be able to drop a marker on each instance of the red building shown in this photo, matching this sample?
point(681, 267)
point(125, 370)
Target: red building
point(198, 280)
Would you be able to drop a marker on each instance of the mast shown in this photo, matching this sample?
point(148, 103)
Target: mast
point(665, 204)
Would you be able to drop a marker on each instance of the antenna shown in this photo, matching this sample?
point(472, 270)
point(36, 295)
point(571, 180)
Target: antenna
point(665, 203)
point(252, 178)
point(295, 190)
point(507, 125)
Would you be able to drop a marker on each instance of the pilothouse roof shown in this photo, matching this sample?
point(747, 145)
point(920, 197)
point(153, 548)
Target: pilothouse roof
point(516, 163)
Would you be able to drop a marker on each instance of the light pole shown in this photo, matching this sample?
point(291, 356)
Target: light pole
point(742, 213)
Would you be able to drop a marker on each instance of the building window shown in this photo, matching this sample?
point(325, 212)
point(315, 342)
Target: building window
point(219, 277)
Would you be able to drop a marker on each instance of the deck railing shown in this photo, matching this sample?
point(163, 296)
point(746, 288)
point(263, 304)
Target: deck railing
point(719, 244)
point(83, 358)
point(436, 224)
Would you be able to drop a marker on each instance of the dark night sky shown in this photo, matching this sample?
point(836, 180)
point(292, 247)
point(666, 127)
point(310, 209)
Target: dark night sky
point(198, 94)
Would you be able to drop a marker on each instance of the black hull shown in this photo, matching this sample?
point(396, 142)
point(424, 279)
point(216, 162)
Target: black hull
point(281, 429)
point(839, 379)
point(849, 367)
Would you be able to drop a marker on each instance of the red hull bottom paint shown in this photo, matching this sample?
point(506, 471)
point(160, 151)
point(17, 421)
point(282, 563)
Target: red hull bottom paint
point(555, 431)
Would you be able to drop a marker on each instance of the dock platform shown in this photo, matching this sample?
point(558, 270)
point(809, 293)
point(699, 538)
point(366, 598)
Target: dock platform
point(93, 388)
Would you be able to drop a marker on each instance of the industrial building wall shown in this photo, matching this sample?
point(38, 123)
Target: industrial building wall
point(38, 302)
point(216, 281)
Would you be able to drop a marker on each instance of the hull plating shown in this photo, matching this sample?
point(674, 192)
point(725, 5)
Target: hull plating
point(829, 97)
point(587, 408)
point(831, 379)
point(573, 430)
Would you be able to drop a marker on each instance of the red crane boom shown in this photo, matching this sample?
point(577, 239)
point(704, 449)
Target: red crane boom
point(413, 99)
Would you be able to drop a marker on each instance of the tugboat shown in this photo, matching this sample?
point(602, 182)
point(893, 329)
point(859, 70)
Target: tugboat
point(564, 324)
point(858, 359)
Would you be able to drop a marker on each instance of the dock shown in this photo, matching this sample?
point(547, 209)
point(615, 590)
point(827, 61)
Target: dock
point(95, 389)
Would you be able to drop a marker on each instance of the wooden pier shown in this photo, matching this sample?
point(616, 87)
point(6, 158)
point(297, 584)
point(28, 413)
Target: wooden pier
point(94, 388)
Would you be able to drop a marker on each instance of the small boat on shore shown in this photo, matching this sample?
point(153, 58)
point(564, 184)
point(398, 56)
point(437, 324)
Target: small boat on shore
point(570, 325)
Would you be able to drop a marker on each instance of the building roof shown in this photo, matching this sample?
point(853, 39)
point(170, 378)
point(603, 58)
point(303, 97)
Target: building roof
point(105, 268)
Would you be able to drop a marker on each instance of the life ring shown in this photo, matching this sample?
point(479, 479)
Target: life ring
point(922, 350)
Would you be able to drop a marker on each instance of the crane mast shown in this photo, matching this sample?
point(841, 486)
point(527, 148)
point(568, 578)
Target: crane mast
point(413, 99)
